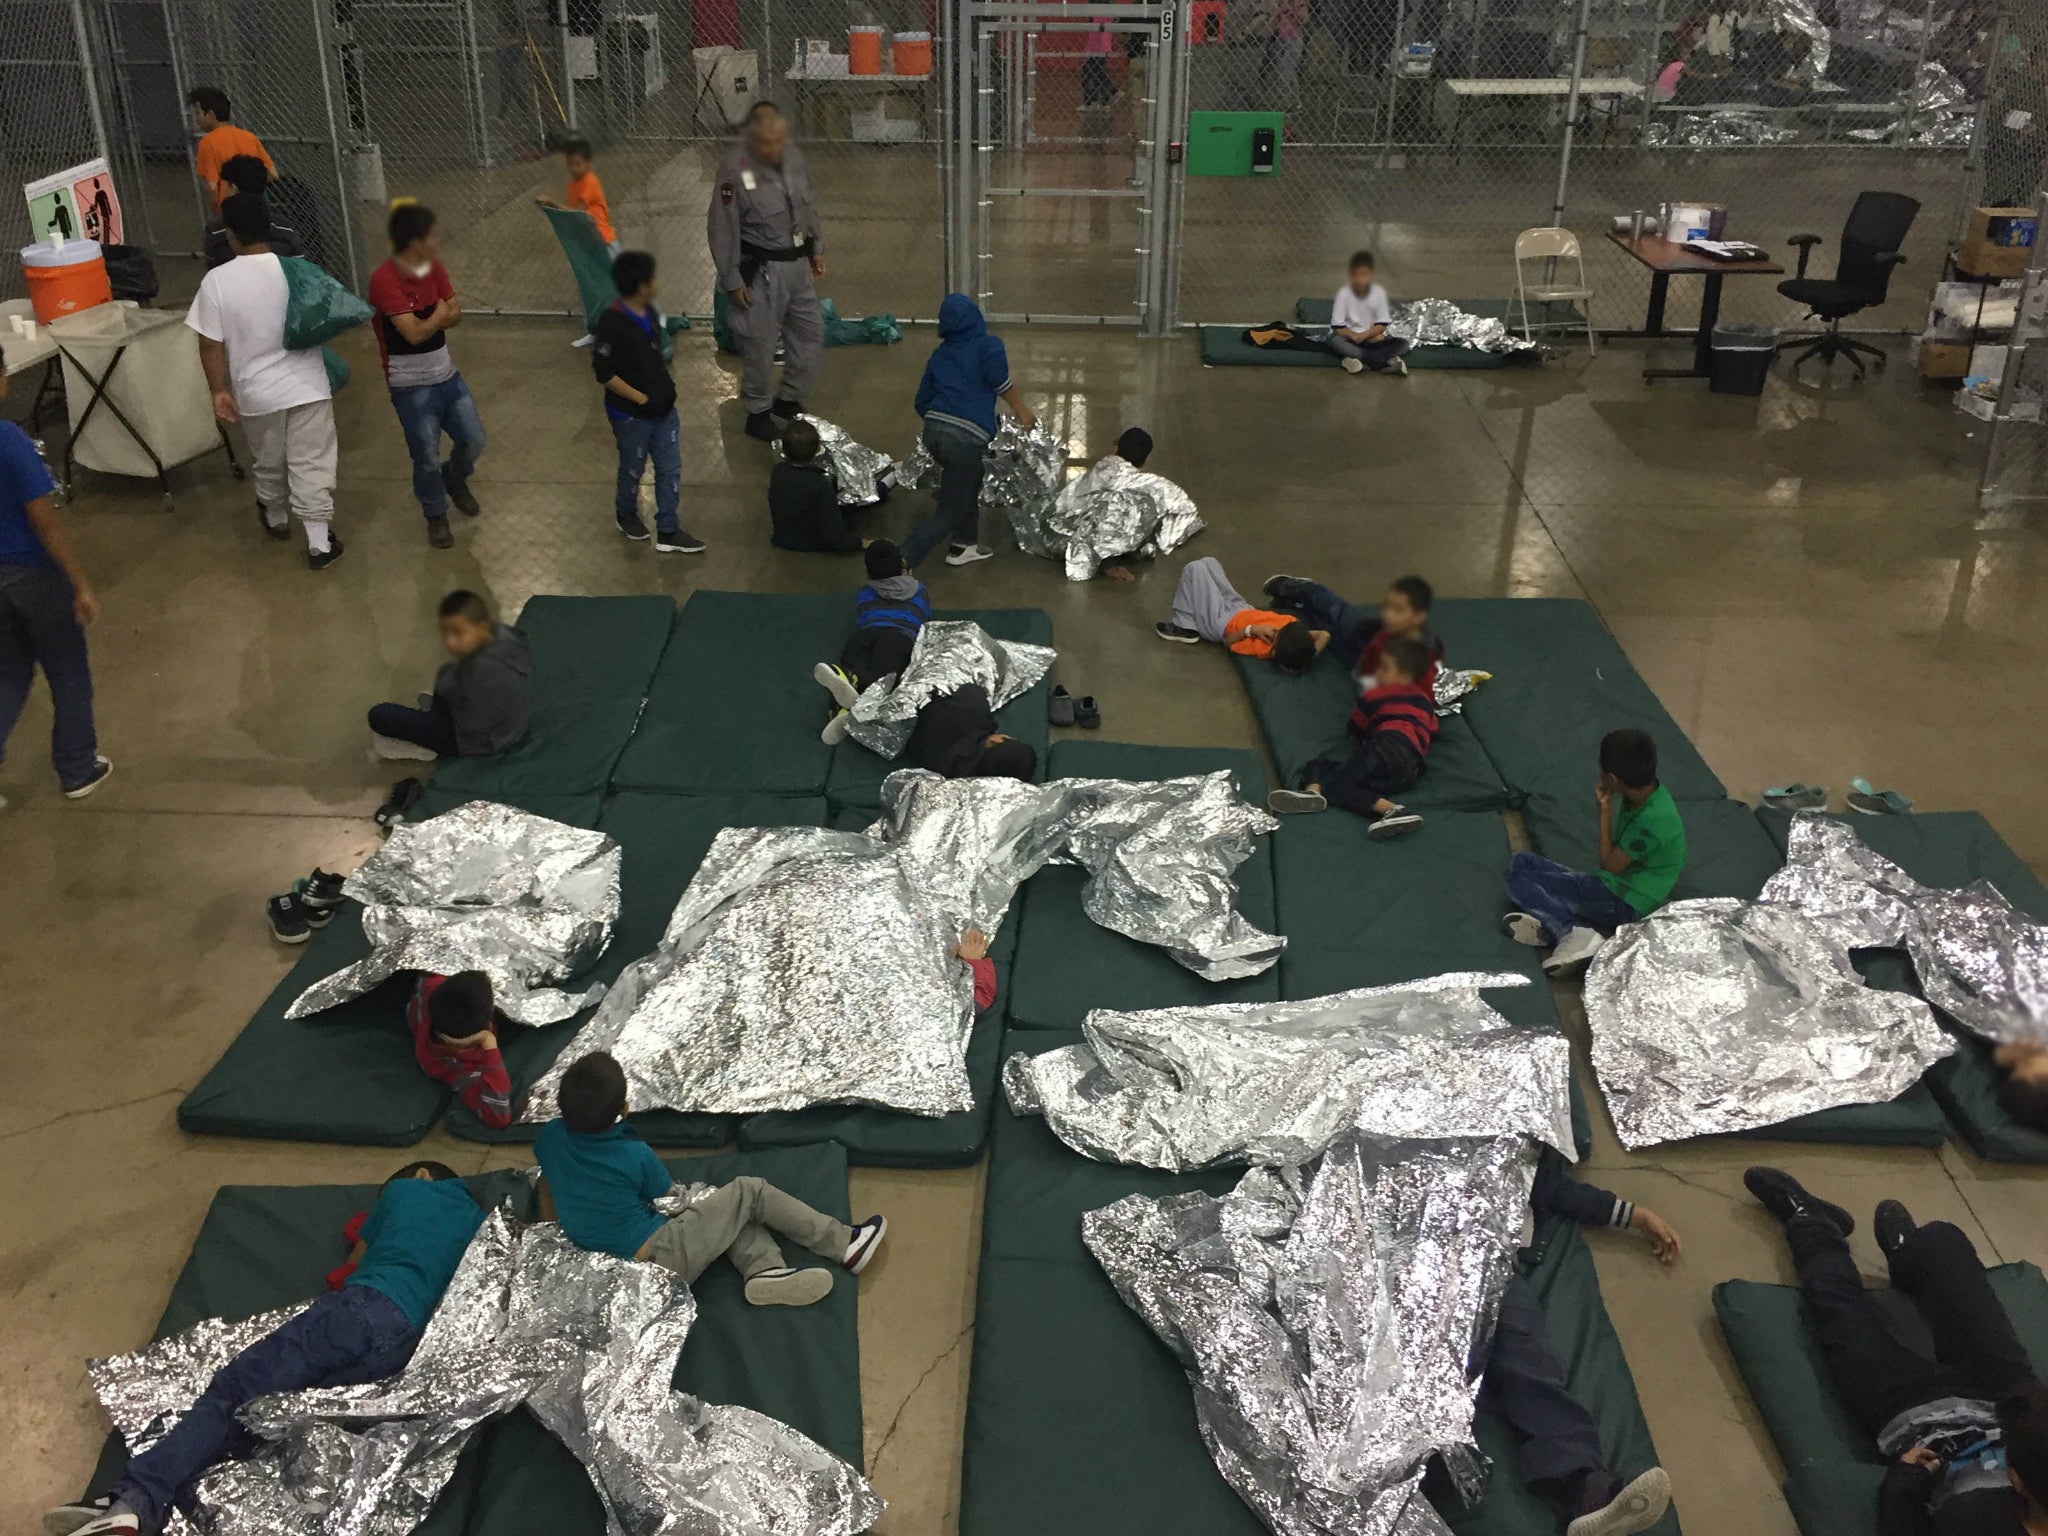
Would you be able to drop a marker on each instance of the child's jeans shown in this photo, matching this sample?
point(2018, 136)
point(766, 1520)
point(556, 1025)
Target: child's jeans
point(424, 414)
point(740, 1221)
point(348, 1336)
point(37, 628)
point(1350, 627)
point(432, 727)
point(1379, 768)
point(1562, 898)
point(959, 456)
point(1376, 355)
point(639, 440)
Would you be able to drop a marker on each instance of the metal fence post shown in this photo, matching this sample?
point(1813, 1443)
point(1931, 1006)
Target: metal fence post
point(1571, 113)
point(1912, 118)
point(341, 171)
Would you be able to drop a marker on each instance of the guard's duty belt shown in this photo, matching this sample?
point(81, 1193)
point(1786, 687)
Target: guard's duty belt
point(752, 256)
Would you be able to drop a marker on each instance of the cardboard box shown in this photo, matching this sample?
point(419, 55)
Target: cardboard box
point(1943, 359)
point(1987, 361)
point(1999, 242)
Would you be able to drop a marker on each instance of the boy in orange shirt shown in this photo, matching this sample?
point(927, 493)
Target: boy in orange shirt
point(585, 192)
point(219, 142)
point(1207, 607)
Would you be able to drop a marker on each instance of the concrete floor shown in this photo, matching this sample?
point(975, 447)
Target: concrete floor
point(1802, 578)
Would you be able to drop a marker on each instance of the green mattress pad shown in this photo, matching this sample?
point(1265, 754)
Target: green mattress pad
point(1339, 888)
point(263, 1247)
point(1966, 1087)
point(1224, 346)
point(571, 810)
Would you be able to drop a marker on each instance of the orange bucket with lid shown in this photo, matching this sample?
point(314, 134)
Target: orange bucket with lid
point(63, 279)
point(864, 51)
point(911, 53)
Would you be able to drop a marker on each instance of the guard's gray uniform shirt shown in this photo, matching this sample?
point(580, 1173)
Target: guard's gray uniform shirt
point(773, 207)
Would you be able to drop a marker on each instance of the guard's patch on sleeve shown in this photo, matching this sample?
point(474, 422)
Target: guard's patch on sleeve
point(725, 193)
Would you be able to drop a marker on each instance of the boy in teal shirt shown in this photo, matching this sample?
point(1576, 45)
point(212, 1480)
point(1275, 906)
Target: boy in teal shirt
point(600, 1181)
point(1642, 851)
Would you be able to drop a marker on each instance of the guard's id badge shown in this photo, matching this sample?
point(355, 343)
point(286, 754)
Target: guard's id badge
point(800, 238)
point(747, 180)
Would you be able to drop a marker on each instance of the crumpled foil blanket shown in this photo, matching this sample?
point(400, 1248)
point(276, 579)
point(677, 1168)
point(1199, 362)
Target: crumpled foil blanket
point(586, 1341)
point(948, 654)
point(856, 468)
point(1452, 685)
point(1113, 510)
point(1723, 1015)
point(1327, 1317)
point(1440, 323)
point(1979, 959)
point(1716, 130)
point(1277, 1083)
point(806, 966)
point(1021, 471)
point(484, 887)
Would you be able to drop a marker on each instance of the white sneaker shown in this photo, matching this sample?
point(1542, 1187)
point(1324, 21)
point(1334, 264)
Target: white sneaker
point(1396, 821)
point(867, 1237)
point(585, 340)
point(1398, 367)
point(1524, 929)
point(1579, 946)
point(1353, 365)
point(967, 554)
point(835, 682)
point(95, 1519)
point(837, 727)
point(391, 750)
point(788, 1287)
point(1296, 802)
point(1636, 1508)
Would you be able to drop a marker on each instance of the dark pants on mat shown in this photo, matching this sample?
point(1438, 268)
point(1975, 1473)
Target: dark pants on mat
point(1562, 898)
point(1379, 768)
point(1976, 1352)
point(432, 728)
point(38, 630)
point(1525, 1388)
point(1350, 627)
point(958, 516)
point(1376, 355)
point(872, 654)
point(346, 1337)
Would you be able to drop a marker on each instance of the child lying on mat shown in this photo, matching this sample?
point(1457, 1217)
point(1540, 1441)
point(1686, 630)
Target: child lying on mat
point(1391, 732)
point(364, 1329)
point(956, 737)
point(1642, 851)
point(888, 613)
point(1356, 633)
point(453, 1021)
point(599, 1180)
point(1965, 1434)
point(1207, 607)
point(2023, 1083)
point(1359, 317)
point(480, 699)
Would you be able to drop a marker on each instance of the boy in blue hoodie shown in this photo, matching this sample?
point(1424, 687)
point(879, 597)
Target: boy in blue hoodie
point(968, 372)
point(888, 613)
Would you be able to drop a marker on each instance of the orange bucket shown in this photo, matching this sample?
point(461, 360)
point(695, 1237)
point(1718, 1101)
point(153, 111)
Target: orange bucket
point(63, 279)
point(864, 51)
point(912, 53)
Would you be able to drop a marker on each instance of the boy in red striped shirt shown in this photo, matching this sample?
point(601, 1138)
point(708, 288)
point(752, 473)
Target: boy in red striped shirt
point(452, 1034)
point(1391, 733)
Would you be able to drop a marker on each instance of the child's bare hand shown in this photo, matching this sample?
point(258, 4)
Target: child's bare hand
point(1663, 1239)
point(1602, 794)
point(973, 945)
point(1321, 637)
point(1920, 1456)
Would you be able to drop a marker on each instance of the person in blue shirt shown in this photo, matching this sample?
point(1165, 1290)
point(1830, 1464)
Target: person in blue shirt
point(365, 1330)
point(967, 374)
point(601, 1181)
point(45, 605)
point(888, 615)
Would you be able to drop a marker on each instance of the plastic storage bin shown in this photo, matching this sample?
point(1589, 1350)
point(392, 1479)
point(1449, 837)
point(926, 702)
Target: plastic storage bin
point(1742, 358)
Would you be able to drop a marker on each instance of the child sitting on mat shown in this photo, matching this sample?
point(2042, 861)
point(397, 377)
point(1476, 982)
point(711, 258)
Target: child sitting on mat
point(453, 1021)
point(888, 613)
point(1391, 732)
point(1356, 633)
point(956, 737)
point(803, 498)
point(1359, 317)
point(1207, 607)
point(599, 1180)
point(479, 703)
point(1642, 851)
point(364, 1329)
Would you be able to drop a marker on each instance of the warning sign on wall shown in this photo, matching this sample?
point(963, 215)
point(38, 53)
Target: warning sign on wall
point(77, 204)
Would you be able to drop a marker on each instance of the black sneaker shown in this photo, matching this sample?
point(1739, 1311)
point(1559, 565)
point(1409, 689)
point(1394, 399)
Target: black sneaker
point(439, 534)
point(405, 794)
point(278, 531)
point(465, 501)
point(788, 410)
point(320, 894)
point(1281, 588)
point(1166, 629)
point(288, 921)
point(1785, 1197)
point(102, 765)
point(1894, 1226)
point(867, 1237)
point(320, 560)
point(633, 526)
point(678, 541)
point(763, 426)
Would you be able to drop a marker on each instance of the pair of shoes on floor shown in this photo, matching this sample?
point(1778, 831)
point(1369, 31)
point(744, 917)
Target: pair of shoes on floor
point(101, 767)
point(1637, 1506)
point(310, 903)
point(1876, 802)
point(1572, 952)
point(1065, 709)
point(1785, 1197)
point(405, 794)
point(786, 1287)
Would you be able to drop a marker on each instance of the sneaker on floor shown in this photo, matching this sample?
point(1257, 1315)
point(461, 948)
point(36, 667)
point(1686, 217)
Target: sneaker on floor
point(585, 340)
point(1395, 822)
point(320, 894)
point(280, 530)
point(1573, 951)
point(867, 1237)
point(1352, 365)
point(439, 534)
point(1399, 369)
point(1166, 629)
point(1876, 802)
point(320, 559)
point(1785, 1197)
point(788, 1287)
point(465, 501)
point(1797, 797)
point(1060, 708)
point(836, 728)
point(967, 554)
point(838, 682)
point(392, 749)
point(1524, 929)
point(678, 541)
point(1637, 1507)
point(101, 767)
point(1894, 1226)
point(100, 1518)
point(288, 923)
point(762, 426)
point(1280, 586)
point(398, 805)
point(633, 526)
point(1296, 802)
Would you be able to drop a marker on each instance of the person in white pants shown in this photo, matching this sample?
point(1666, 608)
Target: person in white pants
point(281, 397)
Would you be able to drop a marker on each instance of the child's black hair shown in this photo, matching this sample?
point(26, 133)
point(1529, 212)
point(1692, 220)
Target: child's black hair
point(884, 560)
point(1420, 594)
point(461, 1006)
point(438, 1172)
point(245, 173)
point(1134, 447)
point(1630, 756)
point(1407, 653)
point(2023, 1418)
point(211, 98)
point(632, 271)
point(409, 222)
point(593, 1094)
point(1362, 259)
point(576, 144)
point(247, 218)
point(1294, 648)
point(466, 603)
point(2026, 1100)
point(800, 442)
point(1011, 759)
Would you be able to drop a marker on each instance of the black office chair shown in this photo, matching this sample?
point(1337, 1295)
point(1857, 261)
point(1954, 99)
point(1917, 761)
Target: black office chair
point(1870, 249)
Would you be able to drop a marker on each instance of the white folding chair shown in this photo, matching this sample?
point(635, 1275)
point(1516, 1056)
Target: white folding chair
point(1550, 245)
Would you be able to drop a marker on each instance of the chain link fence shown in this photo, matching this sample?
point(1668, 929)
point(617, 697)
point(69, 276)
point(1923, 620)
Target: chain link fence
point(50, 114)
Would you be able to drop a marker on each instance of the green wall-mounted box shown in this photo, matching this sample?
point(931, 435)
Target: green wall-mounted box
point(1220, 143)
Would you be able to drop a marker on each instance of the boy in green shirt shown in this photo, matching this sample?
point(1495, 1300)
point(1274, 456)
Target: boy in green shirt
point(1642, 850)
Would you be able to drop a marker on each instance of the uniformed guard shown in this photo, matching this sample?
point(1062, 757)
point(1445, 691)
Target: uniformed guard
point(763, 226)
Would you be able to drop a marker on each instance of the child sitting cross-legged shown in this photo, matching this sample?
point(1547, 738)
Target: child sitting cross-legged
point(454, 1034)
point(481, 695)
point(1391, 732)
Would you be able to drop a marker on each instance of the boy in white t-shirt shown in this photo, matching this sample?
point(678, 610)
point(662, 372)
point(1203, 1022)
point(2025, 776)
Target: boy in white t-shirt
point(281, 397)
point(1358, 323)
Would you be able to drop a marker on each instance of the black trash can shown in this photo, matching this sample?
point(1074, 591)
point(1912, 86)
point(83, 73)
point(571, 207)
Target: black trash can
point(130, 272)
point(1742, 358)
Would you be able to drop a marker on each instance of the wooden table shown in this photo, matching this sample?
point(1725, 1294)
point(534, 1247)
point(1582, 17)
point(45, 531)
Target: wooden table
point(1666, 260)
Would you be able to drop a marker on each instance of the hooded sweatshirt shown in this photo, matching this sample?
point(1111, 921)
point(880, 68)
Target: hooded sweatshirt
point(486, 693)
point(952, 732)
point(967, 371)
